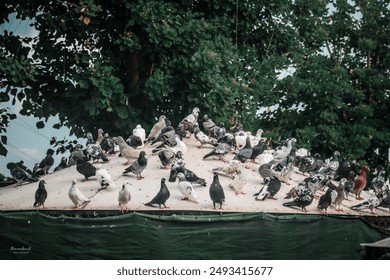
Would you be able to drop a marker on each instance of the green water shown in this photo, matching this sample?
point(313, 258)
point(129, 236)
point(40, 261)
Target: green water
point(37, 235)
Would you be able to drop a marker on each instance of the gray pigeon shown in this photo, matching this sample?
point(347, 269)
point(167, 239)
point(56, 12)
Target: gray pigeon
point(124, 196)
point(246, 152)
point(161, 197)
point(138, 166)
point(40, 195)
point(216, 192)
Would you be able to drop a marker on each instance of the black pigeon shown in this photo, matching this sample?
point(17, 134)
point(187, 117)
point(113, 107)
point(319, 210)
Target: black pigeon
point(161, 197)
point(257, 150)
point(63, 164)
point(222, 149)
point(47, 162)
point(85, 168)
point(271, 187)
point(303, 199)
point(190, 176)
point(325, 200)
point(246, 152)
point(40, 194)
point(21, 173)
point(138, 165)
point(216, 192)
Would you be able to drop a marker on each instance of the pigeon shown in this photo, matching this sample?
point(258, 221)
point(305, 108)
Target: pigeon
point(221, 150)
point(370, 203)
point(40, 194)
point(203, 138)
point(180, 146)
point(77, 197)
point(360, 182)
point(164, 135)
point(138, 166)
point(104, 178)
point(218, 132)
point(340, 194)
point(216, 192)
point(303, 199)
point(207, 124)
point(77, 152)
point(109, 144)
point(100, 136)
point(21, 173)
point(309, 163)
point(140, 132)
point(47, 162)
point(267, 170)
point(239, 181)
point(257, 150)
point(124, 196)
point(325, 201)
point(161, 197)
point(63, 164)
point(167, 156)
point(316, 182)
point(265, 157)
point(156, 129)
point(257, 138)
point(134, 141)
point(188, 123)
point(344, 168)
point(179, 167)
point(245, 152)
point(331, 165)
point(271, 187)
point(85, 168)
point(240, 138)
point(283, 151)
point(349, 184)
point(187, 188)
point(94, 150)
point(378, 182)
point(126, 151)
point(229, 169)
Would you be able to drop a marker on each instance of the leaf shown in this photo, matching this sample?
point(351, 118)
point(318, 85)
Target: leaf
point(4, 139)
point(40, 124)
point(3, 150)
point(86, 20)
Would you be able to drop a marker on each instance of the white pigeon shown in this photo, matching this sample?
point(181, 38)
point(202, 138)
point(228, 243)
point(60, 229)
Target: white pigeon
point(265, 157)
point(179, 147)
point(240, 138)
point(104, 178)
point(187, 188)
point(256, 139)
point(230, 168)
point(283, 151)
point(77, 197)
point(239, 181)
point(140, 132)
point(124, 196)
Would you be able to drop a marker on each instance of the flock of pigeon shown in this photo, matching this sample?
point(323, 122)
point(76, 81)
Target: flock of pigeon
point(335, 178)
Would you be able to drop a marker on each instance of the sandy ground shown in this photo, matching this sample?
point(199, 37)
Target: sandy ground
point(142, 191)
